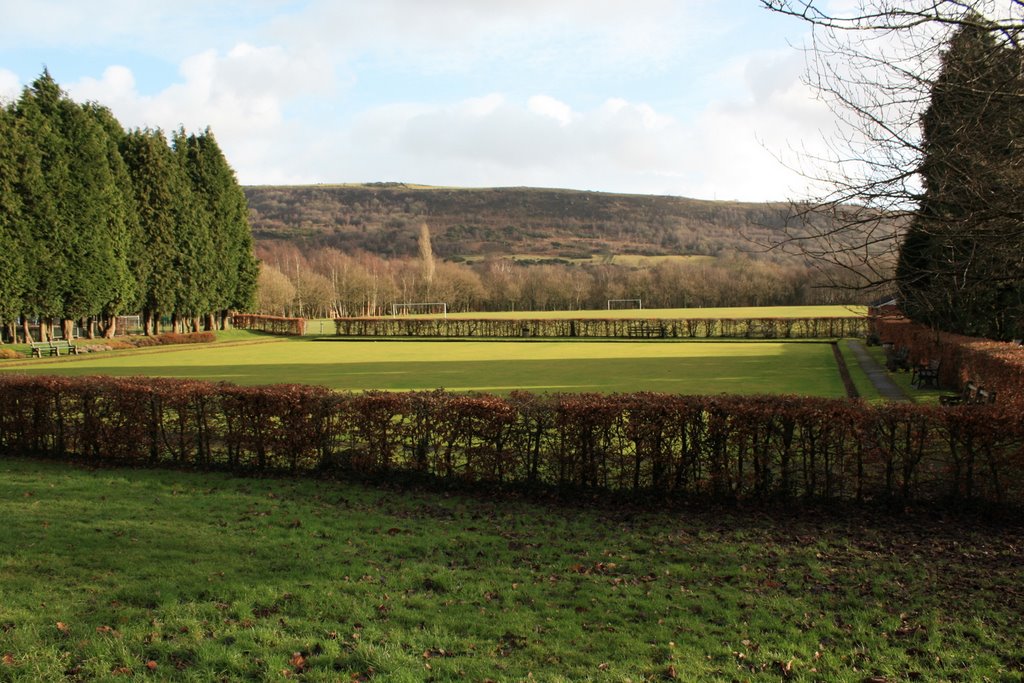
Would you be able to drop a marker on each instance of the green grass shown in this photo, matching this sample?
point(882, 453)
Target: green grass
point(491, 366)
point(205, 577)
point(928, 395)
point(865, 389)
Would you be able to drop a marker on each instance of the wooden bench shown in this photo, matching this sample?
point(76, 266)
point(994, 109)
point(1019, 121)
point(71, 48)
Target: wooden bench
point(926, 375)
point(53, 348)
point(896, 359)
point(66, 346)
point(966, 395)
point(39, 347)
point(971, 394)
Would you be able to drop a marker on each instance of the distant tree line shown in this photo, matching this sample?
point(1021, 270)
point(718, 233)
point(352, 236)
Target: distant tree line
point(326, 282)
point(97, 222)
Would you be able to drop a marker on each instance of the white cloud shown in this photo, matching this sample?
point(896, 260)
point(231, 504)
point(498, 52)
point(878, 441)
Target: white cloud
point(496, 140)
point(454, 35)
point(727, 151)
point(168, 28)
point(248, 94)
point(504, 92)
point(116, 85)
point(10, 86)
point(747, 142)
point(545, 105)
point(242, 95)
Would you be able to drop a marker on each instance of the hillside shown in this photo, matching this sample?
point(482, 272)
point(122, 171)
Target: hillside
point(538, 223)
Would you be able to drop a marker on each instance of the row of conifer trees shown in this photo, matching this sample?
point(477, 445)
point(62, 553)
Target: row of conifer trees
point(97, 221)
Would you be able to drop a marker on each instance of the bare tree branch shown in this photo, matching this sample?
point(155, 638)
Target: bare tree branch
point(876, 68)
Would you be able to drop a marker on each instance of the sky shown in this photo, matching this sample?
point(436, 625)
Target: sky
point(694, 98)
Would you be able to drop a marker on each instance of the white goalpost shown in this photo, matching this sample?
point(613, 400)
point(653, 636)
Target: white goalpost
point(420, 308)
point(625, 303)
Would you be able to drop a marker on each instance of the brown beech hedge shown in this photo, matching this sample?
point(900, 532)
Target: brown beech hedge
point(998, 366)
point(615, 328)
point(694, 447)
point(269, 323)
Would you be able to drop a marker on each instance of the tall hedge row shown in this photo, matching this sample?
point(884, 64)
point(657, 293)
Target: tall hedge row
point(998, 366)
point(619, 328)
point(270, 323)
point(701, 447)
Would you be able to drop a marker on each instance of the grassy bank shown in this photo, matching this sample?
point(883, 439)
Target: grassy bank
point(172, 576)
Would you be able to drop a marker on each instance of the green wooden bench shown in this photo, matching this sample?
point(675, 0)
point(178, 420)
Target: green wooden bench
point(65, 346)
point(39, 347)
point(53, 348)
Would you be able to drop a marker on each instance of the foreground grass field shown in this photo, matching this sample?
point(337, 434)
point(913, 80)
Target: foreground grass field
point(133, 574)
point(491, 366)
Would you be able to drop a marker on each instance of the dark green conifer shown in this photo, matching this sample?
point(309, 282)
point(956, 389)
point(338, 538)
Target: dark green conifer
point(13, 275)
point(961, 264)
point(128, 269)
point(152, 168)
point(224, 207)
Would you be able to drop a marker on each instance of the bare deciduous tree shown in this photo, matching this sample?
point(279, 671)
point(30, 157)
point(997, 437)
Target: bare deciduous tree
point(876, 67)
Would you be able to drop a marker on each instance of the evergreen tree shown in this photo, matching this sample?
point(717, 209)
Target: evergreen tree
point(124, 232)
point(960, 265)
point(13, 274)
point(73, 209)
point(152, 168)
point(96, 221)
point(94, 217)
point(45, 177)
point(196, 262)
point(225, 208)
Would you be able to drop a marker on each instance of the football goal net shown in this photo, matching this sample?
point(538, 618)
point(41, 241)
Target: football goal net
point(617, 304)
point(419, 308)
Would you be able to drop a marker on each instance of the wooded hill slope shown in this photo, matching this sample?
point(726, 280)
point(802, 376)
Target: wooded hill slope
point(533, 223)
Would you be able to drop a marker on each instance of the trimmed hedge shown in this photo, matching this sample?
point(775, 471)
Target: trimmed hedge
point(998, 366)
point(691, 447)
point(169, 339)
point(269, 323)
point(616, 328)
